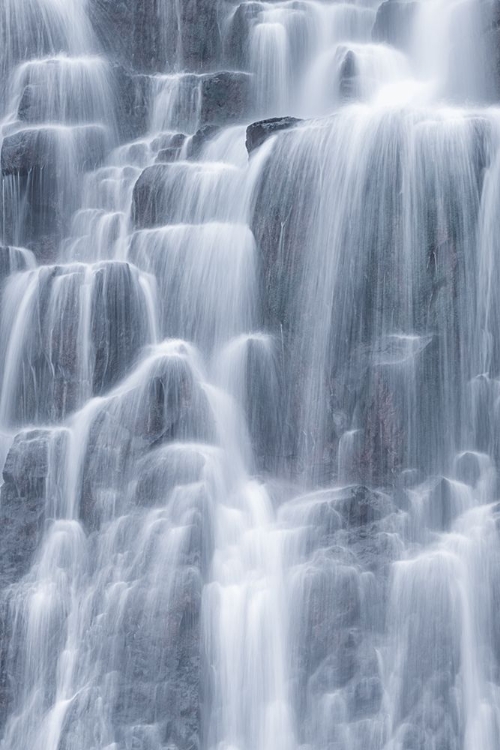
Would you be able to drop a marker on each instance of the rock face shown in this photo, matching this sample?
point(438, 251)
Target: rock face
point(346, 545)
point(225, 97)
point(152, 36)
point(348, 76)
point(259, 132)
point(23, 498)
point(393, 23)
point(22, 506)
point(14, 259)
point(41, 163)
point(132, 98)
point(55, 362)
point(40, 148)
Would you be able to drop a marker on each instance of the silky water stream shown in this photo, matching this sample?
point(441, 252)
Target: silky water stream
point(250, 380)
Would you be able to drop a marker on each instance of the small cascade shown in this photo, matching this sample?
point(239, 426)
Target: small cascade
point(249, 379)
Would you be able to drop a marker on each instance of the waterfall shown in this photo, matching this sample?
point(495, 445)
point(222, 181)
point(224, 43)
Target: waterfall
point(249, 375)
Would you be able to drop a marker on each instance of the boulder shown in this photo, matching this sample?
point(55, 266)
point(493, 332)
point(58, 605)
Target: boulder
point(259, 132)
point(348, 76)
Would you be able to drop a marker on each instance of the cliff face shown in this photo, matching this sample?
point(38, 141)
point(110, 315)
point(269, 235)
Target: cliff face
point(249, 367)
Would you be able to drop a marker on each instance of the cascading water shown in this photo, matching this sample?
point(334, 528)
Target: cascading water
point(249, 375)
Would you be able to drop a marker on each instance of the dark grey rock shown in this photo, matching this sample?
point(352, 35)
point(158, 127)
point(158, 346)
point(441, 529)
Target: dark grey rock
point(360, 506)
point(12, 259)
point(468, 468)
point(46, 166)
point(160, 662)
point(22, 500)
point(37, 148)
point(366, 697)
point(262, 399)
point(442, 505)
point(340, 665)
point(236, 39)
point(259, 132)
point(199, 140)
point(118, 323)
point(132, 102)
point(167, 155)
point(162, 470)
point(151, 37)
point(348, 76)
point(225, 98)
point(28, 106)
point(168, 140)
point(393, 23)
point(149, 204)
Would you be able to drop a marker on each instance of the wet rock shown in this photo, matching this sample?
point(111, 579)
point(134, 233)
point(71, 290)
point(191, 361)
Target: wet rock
point(169, 193)
point(318, 516)
point(360, 506)
point(200, 139)
point(160, 680)
point(13, 259)
point(163, 470)
point(236, 41)
point(332, 600)
point(42, 166)
point(7, 681)
point(152, 36)
point(167, 155)
point(259, 132)
point(281, 226)
point(55, 363)
point(129, 32)
point(28, 106)
point(118, 323)
point(468, 467)
point(492, 45)
point(348, 76)
point(22, 502)
point(167, 408)
point(37, 148)
point(168, 140)
point(340, 665)
point(132, 100)
point(393, 23)
point(262, 399)
point(366, 697)
point(200, 34)
point(225, 98)
point(149, 207)
point(445, 504)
